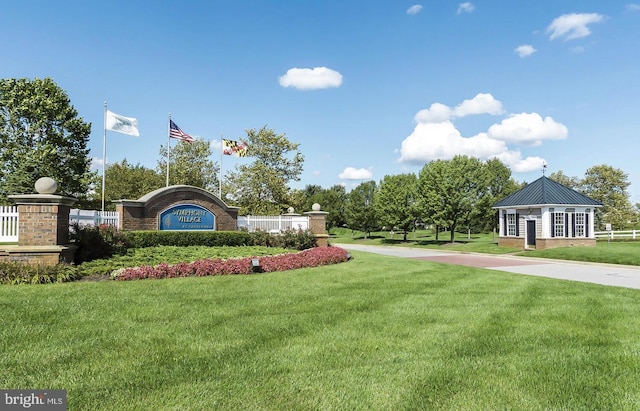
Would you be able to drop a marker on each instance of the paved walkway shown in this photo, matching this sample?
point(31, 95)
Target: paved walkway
point(605, 274)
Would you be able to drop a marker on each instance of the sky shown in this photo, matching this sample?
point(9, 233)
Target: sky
point(367, 88)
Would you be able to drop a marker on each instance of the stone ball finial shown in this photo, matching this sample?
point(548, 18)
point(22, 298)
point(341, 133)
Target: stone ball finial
point(290, 210)
point(315, 207)
point(46, 185)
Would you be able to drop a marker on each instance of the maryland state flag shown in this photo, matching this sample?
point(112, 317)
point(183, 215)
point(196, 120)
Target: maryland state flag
point(234, 148)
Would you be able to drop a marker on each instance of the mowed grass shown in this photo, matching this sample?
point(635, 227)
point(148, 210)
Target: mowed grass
point(464, 242)
point(615, 252)
point(627, 253)
point(374, 333)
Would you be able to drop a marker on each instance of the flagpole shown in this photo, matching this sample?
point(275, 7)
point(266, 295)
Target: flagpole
point(220, 176)
point(104, 152)
point(168, 146)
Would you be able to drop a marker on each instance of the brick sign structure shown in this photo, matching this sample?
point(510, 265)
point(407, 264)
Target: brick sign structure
point(177, 204)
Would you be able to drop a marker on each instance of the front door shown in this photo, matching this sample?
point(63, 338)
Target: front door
point(531, 233)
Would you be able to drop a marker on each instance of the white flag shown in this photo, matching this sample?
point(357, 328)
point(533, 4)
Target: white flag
point(122, 124)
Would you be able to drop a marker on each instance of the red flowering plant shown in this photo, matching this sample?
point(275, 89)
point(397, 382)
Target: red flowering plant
point(308, 258)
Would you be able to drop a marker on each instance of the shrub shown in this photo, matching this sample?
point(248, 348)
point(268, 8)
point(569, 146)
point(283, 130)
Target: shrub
point(298, 239)
point(22, 273)
point(142, 239)
point(95, 242)
point(293, 239)
point(308, 258)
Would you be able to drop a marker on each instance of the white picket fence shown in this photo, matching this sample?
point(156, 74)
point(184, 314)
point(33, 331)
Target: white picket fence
point(9, 221)
point(273, 224)
point(8, 224)
point(93, 217)
point(633, 234)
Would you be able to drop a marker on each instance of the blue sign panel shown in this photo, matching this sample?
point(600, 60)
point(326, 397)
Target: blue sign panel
point(187, 217)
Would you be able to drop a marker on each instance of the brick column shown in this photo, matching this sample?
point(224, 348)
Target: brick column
point(318, 225)
point(43, 226)
point(43, 223)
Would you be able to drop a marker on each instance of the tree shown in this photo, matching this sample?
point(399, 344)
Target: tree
point(190, 164)
point(496, 178)
point(310, 194)
point(261, 187)
point(360, 210)
point(609, 186)
point(449, 191)
point(127, 181)
point(573, 183)
point(396, 202)
point(298, 201)
point(41, 135)
point(332, 200)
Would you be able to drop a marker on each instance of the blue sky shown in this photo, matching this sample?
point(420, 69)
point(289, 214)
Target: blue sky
point(368, 88)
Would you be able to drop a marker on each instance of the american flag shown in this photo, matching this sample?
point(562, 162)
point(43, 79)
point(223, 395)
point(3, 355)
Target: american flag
point(175, 132)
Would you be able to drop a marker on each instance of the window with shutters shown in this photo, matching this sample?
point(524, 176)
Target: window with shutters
point(558, 224)
point(512, 222)
point(579, 230)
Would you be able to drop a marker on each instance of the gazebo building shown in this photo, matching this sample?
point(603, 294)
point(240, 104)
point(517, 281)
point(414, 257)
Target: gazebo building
point(546, 214)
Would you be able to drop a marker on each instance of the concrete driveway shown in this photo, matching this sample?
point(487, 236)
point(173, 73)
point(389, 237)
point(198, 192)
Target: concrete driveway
point(604, 274)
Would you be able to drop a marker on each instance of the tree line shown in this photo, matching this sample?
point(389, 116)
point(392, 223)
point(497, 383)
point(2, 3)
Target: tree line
point(41, 134)
point(452, 194)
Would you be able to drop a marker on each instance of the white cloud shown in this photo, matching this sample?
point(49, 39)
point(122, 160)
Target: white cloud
point(96, 163)
point(465, 8)
point(573, 26)
point(351, 173)
point(482, 103)
point(632, 7)
point(435, 136)
point(443, 141)
point(435, 114)
point(311, 79)
point(525, 50)
point(415, 9)
point(514, 160)
point(528, 128)
point(433, 141)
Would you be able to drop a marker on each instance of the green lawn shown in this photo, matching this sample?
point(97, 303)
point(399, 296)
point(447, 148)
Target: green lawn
point(374, 333)
point(479, 243)
point(615, 252)
point(627, 253)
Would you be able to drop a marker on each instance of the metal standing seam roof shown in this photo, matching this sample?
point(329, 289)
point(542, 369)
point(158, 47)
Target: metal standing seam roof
point(546, 191)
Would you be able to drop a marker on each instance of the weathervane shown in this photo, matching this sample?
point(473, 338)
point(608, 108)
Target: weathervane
point(544, 168)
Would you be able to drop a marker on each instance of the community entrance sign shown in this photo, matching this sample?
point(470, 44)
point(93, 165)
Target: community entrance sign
point(187, 217)
point(177, 208)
